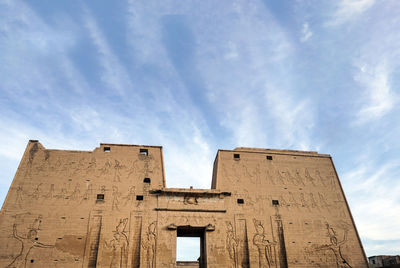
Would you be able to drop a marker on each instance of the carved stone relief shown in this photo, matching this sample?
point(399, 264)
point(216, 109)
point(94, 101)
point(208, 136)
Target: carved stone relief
point(335, 246)
point(190, 200)
point(232, 244)
point(130, 196)
point(117, 171)
point(265, 246)
point(149, 245)
point(115, 198)
point(56, 182)
point(28, 242)
point(119, 245)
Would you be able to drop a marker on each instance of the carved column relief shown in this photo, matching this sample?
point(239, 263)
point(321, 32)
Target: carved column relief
point(135, 238)
point(242, 241)
point(149, 242)
point(232, 244)
point(92, 242)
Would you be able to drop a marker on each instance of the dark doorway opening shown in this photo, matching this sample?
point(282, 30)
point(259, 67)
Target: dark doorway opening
point(191, 239)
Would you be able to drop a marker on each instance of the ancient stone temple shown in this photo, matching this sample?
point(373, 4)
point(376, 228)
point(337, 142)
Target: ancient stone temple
point(110, 207)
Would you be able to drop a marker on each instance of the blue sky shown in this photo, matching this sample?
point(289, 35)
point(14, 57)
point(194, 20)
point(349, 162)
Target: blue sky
point(196, 76)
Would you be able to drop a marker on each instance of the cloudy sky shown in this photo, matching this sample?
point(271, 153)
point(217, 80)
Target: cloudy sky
point(196, 76)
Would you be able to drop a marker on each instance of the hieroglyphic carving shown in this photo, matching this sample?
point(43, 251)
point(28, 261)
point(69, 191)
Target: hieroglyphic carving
point(36, 192)
point(282, 201)
point(79, 167)
point(150, 166)
point(335, 246)
point(56, 166)
point(269, 178)
point(130, 197)
point(119, 245)
point(312, 200)
point(28, 243)
point(103, 189)
point(18, 197)
point(76, 194)
point(133, 168)
point(63, 192)
point(303, 200)
point(232, 244)
point(322, 200)
point(254, 174)
point(115, 198)
point(266, 248)
point(117, 171)
point(290, 178)
point(149, 245)
point(331, 178)
point(91, 168)
point(105, 170)
point(309, 178)
point(292, 200)
point(50, 193)
point(88, 192)
point(280, 178)
point(36, 223)
point(298, 177)
point(190, 200)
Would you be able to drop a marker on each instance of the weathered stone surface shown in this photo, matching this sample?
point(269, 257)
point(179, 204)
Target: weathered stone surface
point(111, 208)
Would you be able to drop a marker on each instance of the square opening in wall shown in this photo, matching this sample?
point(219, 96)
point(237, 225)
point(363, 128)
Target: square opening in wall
point(107, 149)
point(275, 202)
point(236, 156)
point(139, 197)
point(269, 157)
point(146, 180)
point(240, 201)
point(144, 152)
point(100, 197)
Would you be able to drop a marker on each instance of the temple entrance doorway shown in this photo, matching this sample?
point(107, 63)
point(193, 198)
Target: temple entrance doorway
point(190, 249)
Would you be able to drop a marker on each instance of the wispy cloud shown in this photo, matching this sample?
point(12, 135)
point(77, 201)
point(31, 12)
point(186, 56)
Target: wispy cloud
point(369, 189)
point(305, 32)
point(348, 10)
point(294, 119)
point(114, 73)
point(379, 98)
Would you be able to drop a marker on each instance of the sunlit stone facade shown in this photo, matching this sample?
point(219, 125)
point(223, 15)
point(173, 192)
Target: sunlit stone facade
point(110, 207)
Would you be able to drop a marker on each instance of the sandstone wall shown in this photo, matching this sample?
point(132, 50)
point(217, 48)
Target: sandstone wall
point(110, 208)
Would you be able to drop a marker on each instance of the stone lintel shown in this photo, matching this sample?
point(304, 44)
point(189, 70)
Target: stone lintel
point(191, 210)
point(189, 192)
